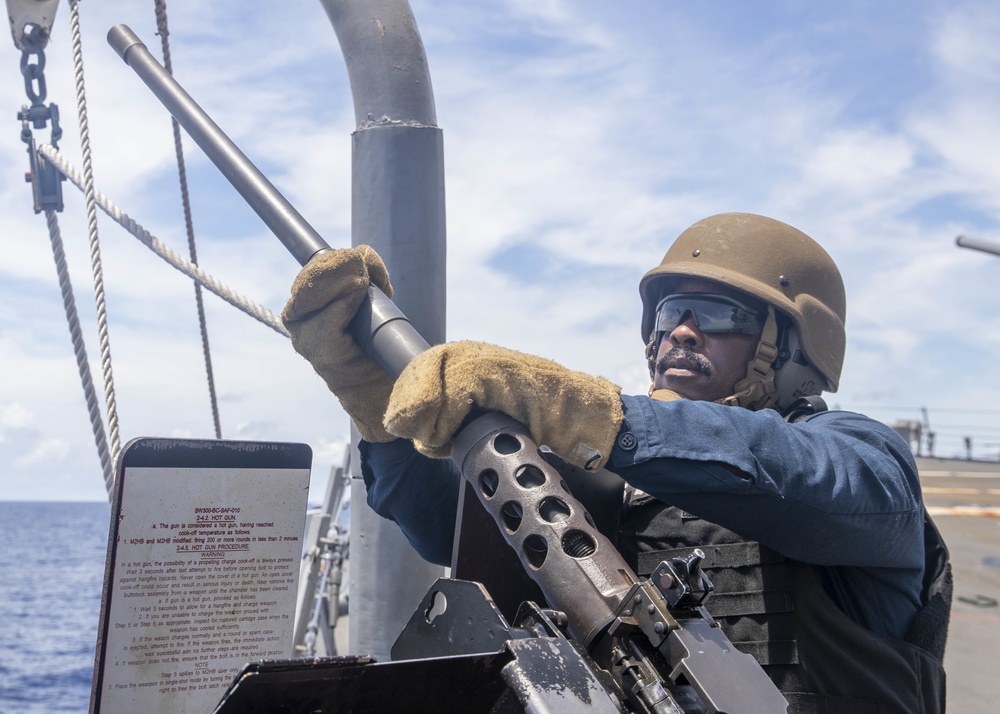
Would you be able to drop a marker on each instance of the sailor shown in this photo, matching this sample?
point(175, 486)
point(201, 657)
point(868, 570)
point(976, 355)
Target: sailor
point(826, 566)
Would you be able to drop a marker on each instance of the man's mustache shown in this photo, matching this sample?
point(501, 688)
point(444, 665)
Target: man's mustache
point(693, 360)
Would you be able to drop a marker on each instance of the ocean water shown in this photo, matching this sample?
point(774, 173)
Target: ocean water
point(51, 574)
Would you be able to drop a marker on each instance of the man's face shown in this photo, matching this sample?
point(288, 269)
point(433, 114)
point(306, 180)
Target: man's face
point(698, 365)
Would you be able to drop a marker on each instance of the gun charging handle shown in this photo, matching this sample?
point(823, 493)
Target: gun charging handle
point(577, 568)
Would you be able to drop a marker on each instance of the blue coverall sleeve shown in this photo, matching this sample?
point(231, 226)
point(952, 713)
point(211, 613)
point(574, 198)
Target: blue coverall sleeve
point(418, 493)
point(835, 489)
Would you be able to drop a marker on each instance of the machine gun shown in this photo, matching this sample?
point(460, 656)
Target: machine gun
point(604, 641)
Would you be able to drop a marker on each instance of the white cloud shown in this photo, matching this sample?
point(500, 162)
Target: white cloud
point(580, 138)
point(331, 452)
point(966, 41)
point(14, 416)
point(857, 161)
point(47, 450)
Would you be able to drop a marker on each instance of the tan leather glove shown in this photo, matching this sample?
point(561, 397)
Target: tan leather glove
point(326, 295)
point(575, 414)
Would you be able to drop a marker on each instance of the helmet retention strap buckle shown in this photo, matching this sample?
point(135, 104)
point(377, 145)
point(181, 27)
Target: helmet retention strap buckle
point(757, 391)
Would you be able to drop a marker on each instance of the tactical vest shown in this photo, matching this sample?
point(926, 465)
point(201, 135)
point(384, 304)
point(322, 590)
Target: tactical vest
point(779, 611)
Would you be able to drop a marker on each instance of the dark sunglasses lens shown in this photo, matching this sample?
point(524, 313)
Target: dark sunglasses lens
point(711, 314)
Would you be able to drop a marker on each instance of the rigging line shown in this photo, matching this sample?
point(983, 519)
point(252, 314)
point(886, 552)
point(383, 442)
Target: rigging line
point(967, 430)
point(95, 248)
point(953, 410)
point(254, 310)
point(164, 33)
point(80, 349)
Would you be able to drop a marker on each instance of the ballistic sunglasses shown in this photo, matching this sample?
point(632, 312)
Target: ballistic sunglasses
point(711, 313)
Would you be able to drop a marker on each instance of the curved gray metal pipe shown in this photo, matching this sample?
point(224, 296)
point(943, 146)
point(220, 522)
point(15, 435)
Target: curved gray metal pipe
point(397, 207)
point(386, 62)
point(398, 201)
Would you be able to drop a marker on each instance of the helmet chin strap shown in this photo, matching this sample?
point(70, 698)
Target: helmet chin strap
point(756, 391)
point(651, 349)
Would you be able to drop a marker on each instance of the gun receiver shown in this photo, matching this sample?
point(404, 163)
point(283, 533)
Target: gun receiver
point(619, 620)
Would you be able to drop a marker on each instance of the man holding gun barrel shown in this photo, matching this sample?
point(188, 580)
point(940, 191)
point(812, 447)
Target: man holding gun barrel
point(826, 567)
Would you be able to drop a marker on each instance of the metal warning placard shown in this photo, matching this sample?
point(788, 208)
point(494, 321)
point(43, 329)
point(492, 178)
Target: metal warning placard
point(202, 570)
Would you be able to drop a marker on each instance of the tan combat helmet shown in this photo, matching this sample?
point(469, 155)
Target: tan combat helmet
point(787, 270)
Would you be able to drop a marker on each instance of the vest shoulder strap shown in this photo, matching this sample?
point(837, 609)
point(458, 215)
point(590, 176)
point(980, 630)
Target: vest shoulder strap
point(929, 629)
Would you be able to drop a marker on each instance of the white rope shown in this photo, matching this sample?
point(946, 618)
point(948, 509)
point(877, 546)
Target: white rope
point(251, 308)
point(160, 7)
point(95, 250)
point(80, 349)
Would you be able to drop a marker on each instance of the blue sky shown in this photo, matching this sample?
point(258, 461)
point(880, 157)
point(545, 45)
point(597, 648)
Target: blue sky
point(580, 138)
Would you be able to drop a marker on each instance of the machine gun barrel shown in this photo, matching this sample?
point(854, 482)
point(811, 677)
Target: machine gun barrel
point(976, 244)
point(385, 332)
point(280, 216)
point(577, 568)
